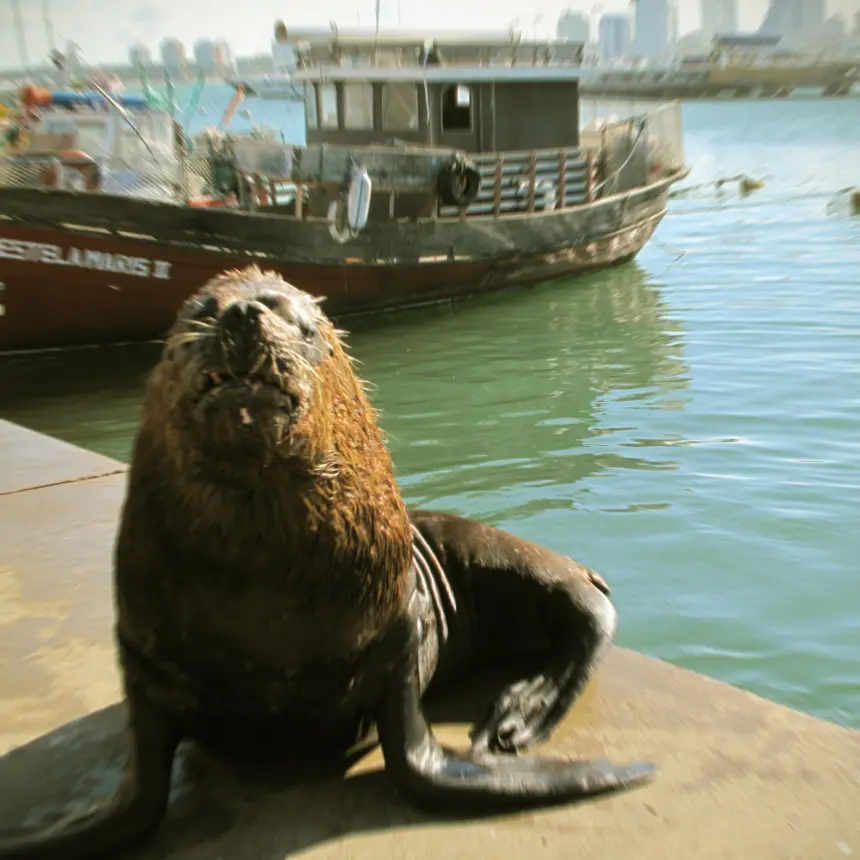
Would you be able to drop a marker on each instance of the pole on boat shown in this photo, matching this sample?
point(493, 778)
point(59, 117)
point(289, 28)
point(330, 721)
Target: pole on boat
point(22, 42)
point(238, 95)
point(191, 108)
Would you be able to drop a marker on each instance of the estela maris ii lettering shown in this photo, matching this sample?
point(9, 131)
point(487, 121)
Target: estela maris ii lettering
point(101, 261)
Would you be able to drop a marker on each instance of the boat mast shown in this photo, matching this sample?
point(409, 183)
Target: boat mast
point(49, 28)
point(19, 26)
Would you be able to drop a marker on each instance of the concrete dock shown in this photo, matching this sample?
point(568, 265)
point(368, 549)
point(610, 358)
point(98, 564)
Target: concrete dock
point(740, 777)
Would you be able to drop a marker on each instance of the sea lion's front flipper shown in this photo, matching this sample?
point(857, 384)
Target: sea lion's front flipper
point(131, 814)
point(421, 767)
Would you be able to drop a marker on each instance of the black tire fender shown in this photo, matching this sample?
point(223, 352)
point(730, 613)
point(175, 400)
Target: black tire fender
point(459, 183)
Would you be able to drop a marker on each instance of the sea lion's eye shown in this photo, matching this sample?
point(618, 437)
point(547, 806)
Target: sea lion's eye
point(203, 309)
point(271, 301)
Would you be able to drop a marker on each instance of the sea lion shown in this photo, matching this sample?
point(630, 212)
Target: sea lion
point(271, 583)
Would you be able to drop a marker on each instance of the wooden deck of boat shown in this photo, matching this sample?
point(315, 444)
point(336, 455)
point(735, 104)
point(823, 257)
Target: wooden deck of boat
point(740, 777)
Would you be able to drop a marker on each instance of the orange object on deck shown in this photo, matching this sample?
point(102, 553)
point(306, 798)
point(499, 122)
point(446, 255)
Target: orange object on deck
point(31, 97)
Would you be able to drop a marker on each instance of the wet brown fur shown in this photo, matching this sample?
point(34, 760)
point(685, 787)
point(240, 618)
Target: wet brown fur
point(332, 522)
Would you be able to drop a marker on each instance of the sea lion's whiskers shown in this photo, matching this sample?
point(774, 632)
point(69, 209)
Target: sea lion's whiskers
point(186, 337)
point(300, 361)
point(440, 573)
point(204, 324)
point(427, 584)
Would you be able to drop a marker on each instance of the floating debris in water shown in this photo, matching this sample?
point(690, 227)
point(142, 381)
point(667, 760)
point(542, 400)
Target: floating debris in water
point(746, 185)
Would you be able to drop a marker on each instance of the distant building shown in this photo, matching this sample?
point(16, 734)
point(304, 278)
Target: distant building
point(674, 24)
point(74, 60)
point(719, 16)
point(653, 29)
point(793, 19)
point(832, 37)
point(173, 58)
point(614, 36)
point(214, 58)
point(573, 27)
point(139, 56)
point(693, 44)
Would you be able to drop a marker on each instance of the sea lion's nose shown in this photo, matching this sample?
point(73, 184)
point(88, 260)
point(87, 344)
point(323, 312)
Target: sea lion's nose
point(242, 319)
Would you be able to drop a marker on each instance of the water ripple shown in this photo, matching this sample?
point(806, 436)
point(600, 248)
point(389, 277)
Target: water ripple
point(688, 424)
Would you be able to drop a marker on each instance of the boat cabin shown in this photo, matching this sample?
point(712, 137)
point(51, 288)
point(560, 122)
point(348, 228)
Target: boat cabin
point(509, 106)
point(481, 95)
point(474, 109)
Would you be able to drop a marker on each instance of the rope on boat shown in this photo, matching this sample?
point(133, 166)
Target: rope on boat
point(616, 173)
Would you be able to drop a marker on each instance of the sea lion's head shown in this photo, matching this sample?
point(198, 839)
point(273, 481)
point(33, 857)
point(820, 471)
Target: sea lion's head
point(253, 374)
point(257, 446)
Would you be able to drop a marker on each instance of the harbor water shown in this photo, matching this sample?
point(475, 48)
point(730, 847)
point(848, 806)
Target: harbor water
point(688, 424)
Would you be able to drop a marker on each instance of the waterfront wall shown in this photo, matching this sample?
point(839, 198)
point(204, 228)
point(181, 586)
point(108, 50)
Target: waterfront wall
point(740, 777)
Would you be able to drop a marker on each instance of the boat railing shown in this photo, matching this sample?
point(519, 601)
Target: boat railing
point(513, 183)
point(614, 156)
point(152, 180)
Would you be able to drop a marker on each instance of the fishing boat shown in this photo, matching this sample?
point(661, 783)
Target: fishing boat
point(433, 168)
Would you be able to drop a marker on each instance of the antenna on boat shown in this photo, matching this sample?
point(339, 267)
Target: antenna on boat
point(19, 26)
point(376, 35)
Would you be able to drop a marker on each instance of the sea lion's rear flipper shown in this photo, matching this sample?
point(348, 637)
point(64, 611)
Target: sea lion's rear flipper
point(579, 621)
point(122, 820)
point(421, 767)
point(521, 600)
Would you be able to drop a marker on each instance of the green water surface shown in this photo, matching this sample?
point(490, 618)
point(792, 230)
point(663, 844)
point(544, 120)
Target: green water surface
point(687, 424)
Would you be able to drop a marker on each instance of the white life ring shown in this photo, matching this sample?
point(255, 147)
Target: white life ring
point(347, 216)
point(337, 225)
point(358, 200)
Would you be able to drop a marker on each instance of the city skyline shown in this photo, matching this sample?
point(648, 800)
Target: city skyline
point(105, 29)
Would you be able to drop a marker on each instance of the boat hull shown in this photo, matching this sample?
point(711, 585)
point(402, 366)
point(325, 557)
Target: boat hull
point(65, 286)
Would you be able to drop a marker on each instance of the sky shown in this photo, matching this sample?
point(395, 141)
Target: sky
point(104, 29)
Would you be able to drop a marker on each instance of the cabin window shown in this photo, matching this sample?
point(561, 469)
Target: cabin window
point(311, 112)
point(400, 107)
point(328, 105)
point(456, 108)
point(358, 106)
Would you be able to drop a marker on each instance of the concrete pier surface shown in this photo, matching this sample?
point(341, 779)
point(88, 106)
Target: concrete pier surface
point(740, 777)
